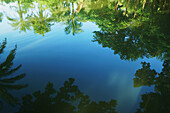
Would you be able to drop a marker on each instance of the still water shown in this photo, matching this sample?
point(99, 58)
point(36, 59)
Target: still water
point(84, 56)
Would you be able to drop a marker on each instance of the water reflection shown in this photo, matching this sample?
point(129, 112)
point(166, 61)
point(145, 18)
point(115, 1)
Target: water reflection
point(20, 23)
point(158, 101)
point(133, 29)
point(68, 99)
point(110, 16)
point(135, 35)
point(7, 80)
point(1, 15)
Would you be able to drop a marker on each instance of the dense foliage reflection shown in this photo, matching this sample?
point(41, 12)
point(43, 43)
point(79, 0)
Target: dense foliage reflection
point(133, 29)
point(158, 101)
point(143, 33)
point(68, 99)
point(7, 79)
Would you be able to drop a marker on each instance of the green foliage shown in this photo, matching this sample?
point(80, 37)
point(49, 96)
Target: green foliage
point(73, 26)
point(123, 42)
point(68, 99)
point(159, 100)
point(21, 24)
point(140, 34)
point(109, 15)
point(154, 103)
point(144, 76)
point(131, 28)
point(1, 15)
point(8, 82)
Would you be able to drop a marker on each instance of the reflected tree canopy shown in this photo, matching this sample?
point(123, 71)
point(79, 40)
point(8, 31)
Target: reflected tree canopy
point(135, 34)
point(20, 23)
point(132, 28)
point(158, 101)
point(145, 76)
point(72, 23)
point(68, 99)
point(41, 22)
point(7, 79)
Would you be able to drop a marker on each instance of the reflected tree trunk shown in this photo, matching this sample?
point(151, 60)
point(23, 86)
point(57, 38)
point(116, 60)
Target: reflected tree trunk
point(144, 3)
point(20, 11)
point(136, 8)
point(80, 6)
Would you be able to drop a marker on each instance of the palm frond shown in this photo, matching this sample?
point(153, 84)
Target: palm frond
point(13, 79)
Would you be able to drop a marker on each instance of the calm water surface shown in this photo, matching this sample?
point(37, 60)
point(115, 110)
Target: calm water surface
point(116, 51)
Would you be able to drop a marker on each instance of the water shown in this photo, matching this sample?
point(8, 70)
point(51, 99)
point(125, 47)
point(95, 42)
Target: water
point(98, 44)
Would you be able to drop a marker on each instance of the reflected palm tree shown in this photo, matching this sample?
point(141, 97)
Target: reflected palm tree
point(21, 23)
point(72, 23)
point(40, 22)
point(68, 99)
point(60, 11)
point(7, 80)
point(73, 26)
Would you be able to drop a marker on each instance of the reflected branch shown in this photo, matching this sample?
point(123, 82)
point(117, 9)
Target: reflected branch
point(68, 99)
point(7, 79)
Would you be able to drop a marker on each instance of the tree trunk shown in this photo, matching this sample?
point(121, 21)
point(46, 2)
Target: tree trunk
point(20, 11)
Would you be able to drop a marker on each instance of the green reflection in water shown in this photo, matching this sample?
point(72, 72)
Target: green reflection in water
point(7, 80)
point(109, 15)
point(22, 24)
point(68, 99)
point(133, 29)
point(1, 15)
point(158, 101)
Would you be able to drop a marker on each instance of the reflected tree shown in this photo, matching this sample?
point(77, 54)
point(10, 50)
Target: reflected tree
point(154, 103)
point(158, 101)
point(60, 11)
point(72, 23)
point(111, 16)
point(1, 15)
point(22, 23)
point(68, 99)
point(40, 22)
point(144, 76)
point(7, 79)
point(124, 43)
point(142, 33)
